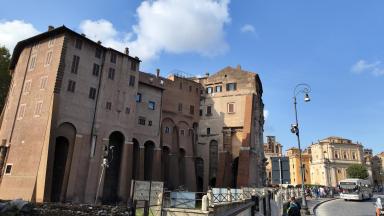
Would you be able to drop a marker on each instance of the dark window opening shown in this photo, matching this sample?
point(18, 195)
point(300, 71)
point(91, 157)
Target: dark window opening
point(138, 97)
point(111, 74)
point(71, 86)
point(96, 69)
point(231, 86)
point(132, 80)
point(209, 110)
point(92, 93)
point(78, 44)
point(75, 64)
point(108, 106)
point(151, 105)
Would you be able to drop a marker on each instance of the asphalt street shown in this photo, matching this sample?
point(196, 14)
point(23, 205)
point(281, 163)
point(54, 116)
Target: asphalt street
point(340, 207)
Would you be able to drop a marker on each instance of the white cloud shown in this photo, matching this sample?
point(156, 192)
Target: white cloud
point(266, 114)
point(247, 28)
point(376, 68)
point(173, 26)
point(14, 31)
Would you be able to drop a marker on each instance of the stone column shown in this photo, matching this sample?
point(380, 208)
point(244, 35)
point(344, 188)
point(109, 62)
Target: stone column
point(173, 171)
point(141, 162)
point(73, 192)
point(190, 179)
point(156, 164)
point(243, 167)
point(125, 171)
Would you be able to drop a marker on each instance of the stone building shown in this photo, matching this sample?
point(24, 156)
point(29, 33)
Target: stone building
point(378, 169)
point(271, 149)
point(294, 162)
point(332, 156)
point(74, 104)
point(231, 129)
point(66, 108)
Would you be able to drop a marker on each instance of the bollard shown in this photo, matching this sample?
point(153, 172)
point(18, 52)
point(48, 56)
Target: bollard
point(204, 203)
point(229, 195)
point(210, 198)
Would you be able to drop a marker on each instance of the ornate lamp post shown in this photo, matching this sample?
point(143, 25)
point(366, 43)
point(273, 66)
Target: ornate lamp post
point(304, 89)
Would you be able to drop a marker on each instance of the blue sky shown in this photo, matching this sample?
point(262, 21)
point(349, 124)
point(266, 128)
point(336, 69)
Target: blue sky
point(335, 46)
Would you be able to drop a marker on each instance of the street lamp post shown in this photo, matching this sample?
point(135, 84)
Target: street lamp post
point(304, 89)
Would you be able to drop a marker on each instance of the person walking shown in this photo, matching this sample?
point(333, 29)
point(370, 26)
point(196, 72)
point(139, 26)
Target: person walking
point(294, 208)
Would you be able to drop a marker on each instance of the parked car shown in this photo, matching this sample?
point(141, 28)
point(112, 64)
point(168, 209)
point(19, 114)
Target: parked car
point(379, 206)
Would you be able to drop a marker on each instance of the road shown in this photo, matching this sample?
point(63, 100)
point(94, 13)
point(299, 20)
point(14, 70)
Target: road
point(347, 208)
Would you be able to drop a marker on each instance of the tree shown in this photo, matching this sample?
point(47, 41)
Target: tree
point(5, 77)
point(357, 171)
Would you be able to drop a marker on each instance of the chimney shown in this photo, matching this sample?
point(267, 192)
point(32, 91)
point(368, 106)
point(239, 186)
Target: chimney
point(50, 28)
point(207, 74)
point(157, 72)
point(82, 34)
point(99, 42)
point(127, 50)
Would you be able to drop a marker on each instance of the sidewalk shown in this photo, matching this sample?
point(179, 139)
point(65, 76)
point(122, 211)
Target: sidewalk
point(314, 203)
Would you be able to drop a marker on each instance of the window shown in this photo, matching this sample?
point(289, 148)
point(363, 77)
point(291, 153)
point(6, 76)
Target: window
point(149, 123)
point(27, 86)
point(108, 105)
point(231, 108)
point(92, 93)
point(138, 97)
point(218, 88)
point(96, 69)
point(209, 110)
point(98, 53)
point(345, 155)
point(182, 132)
point(51, 43)
point(71, 86)
point(167, 130)
point(113, 57)
point(132, 80)
point(78, 44)
point(111, 74)
point(200, 112)
point(197, 90)
point(32, 62)
point(38, 108)
point(208, 131)
point(353, 155)
point(43, 82)
point(191, 110)
point(151, 105)
point(190, 88)
point(141, 120)
point(133, 65)
point(127, 110)
point(8, 169)
point(231, 86)
point(48, 59)
point(21, 111)
point(209, 90)
point(75, 64)
point(180, 107)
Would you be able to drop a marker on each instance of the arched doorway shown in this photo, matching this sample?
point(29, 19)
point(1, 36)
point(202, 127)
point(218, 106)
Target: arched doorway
point(213, 162)
point(111, 179)
point(61, 157)
point(59, 164)
point(136, 160)
point(199, 163)
point(235, 166)
point(149, 146)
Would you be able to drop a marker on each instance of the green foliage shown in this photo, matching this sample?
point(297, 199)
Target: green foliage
point(357, 171)
point(5, 77)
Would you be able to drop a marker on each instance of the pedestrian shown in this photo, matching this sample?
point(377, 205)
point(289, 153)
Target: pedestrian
point(294, 208)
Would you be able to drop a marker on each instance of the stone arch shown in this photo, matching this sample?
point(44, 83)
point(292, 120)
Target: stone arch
point(62, 151)
point(199, 164)
point(213, 162)
point(112, 173)
point(136, 159)
point(149, 147)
